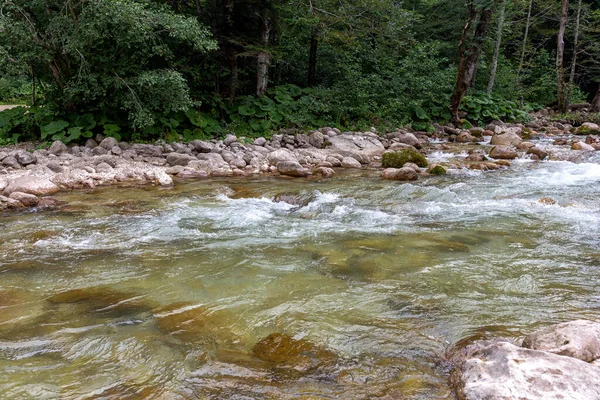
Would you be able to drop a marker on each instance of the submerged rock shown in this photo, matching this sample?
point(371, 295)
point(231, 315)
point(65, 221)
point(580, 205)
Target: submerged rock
point(298, 354)
point(103, 300)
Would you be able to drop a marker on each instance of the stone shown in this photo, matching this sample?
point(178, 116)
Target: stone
point(506, 139)
point(349, 162)
point(6, 203)
point(334, 161)
point(578, 339)
point(202, 146)
point(31, 184)
point(325, 172)
point(365, 145)
point(503, 153)
point(476, 155)
point(285, 351)
point(436, 169)
point(316, 139)
point(99, 151)
point(588, 128)
point(109, 143)
point(582, 146)
point(281, 155)
point(103, 300)
point(25, 158)
point(466, 137)
point(261, 141)
point(500, 370)
point(57, 148)
point(405, 138)
point(28, 200)
point(291, 168)
point(90, 144)
point(179, 158)
point(192, 174)
point(524, 146)
point(397, 159)
point(11, 162)
point(400, 174)
point(229, 139)
point(117, 150)
point(103, 167)
point(541, 154)
point(413, 166)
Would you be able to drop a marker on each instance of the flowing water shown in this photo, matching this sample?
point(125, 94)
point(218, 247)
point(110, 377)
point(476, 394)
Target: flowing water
point(135, 293)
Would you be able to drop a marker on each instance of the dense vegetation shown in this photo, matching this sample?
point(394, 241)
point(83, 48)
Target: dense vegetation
point(186, 69)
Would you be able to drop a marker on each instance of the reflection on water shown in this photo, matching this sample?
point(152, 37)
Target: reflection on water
point(347, 288)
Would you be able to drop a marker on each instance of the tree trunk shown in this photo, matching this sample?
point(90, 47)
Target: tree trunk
point(574, 60)
point(32, 86)
point(231, 52)
point(596, 101)
point(490, 86)
point(263, 60)
point(468, 58)
point(522, 60)
point(560, 50)
point(312, 58)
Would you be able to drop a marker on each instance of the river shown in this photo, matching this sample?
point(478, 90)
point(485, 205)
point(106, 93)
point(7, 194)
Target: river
point(145, 292)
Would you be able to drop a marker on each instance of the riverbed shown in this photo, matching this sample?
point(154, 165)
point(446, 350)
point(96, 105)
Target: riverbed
point(166, 293)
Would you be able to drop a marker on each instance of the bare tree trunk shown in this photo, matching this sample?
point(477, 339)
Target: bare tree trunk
point(560, 50)
point(32, 86)
point(575, 51)
point(522, 60)
point(490, 86)
point(312, 58)
point(230, 50)
point(596, 101)
point(468, 58)
point(263, 60)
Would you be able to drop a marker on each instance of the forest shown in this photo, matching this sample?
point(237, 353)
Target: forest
point(143, 70)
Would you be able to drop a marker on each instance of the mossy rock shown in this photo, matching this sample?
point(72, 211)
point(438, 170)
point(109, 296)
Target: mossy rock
point(437, 170)
point(586, 130)
point(397, 159)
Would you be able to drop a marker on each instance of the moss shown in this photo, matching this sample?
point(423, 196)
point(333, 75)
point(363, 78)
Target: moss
point(397, 159)
point(438, 170)
point(585, 130)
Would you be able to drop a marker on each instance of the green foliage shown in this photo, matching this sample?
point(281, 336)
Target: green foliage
point(396, 159)
point(481, 107)
point(14, 90)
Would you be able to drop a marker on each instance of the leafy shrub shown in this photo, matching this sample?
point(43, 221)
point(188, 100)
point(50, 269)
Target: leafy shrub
point(481, 107)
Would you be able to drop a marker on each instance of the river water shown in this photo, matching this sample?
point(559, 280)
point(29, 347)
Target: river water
point(135, 293)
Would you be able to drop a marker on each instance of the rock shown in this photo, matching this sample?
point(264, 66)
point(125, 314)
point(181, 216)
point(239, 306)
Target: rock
point(24, 158)
point(6, 203)
point(281, 155)
point(506, 139)
point(325, 172)
point(192, 174)
point(90, 144)
point(31, 184)
point(582, 146)
point(12, 162)
point(578, 339)
point(541, 154)
point(103, 300)
point(103, 167)
point(364, 145)
point(500, 370)
point(286, 352)
point(588, 128)
point(316, 139)
point(57, 148)
point(436, 169)
point(99, 151)
point(406, 138)
point(397, 159)
point(349, 162)
point(162, 178)
point(466, 137)
point(524, 146)
point(229, 139)
point(503, 153)
point(28, 200)
point(109, 143)
point(291, 168)
point(201, 146)
point(476, 155)
point(179, 159)
point(117, 150)
point(400, 174)
point(413, 166)
point(261, 141)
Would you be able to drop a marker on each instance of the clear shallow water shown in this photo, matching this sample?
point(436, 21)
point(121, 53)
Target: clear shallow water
point(164, 294)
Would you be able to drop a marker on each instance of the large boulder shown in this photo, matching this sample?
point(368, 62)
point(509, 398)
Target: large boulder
point(277, 156)
point(24, 158)
point(506, 139)
point(397, 159)
point(179, 158)
point(31, 184)
point(28, 200)
point(57, 148)
point(406, 138)
point(579, 339)
point(367, 145)
point(400, 174)
point(588, 128)
point(488, 370)
point(349, 162)
point(503, 153)
point(291, 168)
point(582, 146)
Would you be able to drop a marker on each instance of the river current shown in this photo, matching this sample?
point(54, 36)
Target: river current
point(150, 293)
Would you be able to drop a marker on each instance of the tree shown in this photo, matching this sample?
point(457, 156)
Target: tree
point(560, 50)
point(497, 48)
point(575, 51)
point(113, 58)
point(479, 16)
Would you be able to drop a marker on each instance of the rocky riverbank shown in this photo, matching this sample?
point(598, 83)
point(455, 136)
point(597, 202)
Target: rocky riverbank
point(28, 175)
